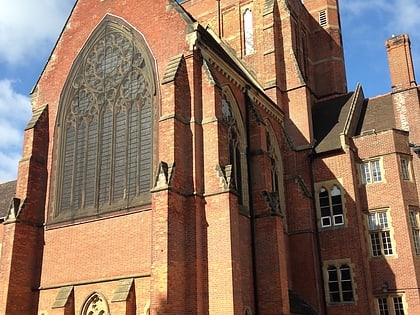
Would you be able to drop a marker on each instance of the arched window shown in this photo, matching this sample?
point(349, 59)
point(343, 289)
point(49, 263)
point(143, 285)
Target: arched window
point(275, 185)
point(248, 32)
point(95, 304)
point(237, 146)
point(105, 120)
point(331, 207)
point(235, 160)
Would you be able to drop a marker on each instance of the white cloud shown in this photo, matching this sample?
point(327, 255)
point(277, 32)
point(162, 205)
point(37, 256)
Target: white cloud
point(15, 111)
point(400, 16)
point(28, 26)
point(357, 7)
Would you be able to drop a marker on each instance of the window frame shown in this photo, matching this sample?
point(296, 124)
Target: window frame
point(342, 285)
point(380, 233)
point(73, 211)
point(414, 221)
point(405, 169)
point(391, 304)
point(371, 172)
point(328, 204)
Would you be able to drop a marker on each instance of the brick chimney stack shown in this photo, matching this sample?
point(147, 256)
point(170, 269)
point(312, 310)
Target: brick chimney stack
point(400, 62)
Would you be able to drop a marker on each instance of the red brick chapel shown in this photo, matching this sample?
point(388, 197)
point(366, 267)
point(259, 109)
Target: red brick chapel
point(206, 157)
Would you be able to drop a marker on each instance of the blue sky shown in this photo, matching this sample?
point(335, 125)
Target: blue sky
point(29, 30)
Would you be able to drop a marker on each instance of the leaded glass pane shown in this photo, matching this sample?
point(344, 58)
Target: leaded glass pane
point(375, 243)
point(386, 243)
point(398, 305)
point(365, 171)
point(383, 220)
point(413, 219)
point(91, 163)
point(373, 224)
point(145, 147)
point(383, 306)
point(376, 171)
point(346, 285)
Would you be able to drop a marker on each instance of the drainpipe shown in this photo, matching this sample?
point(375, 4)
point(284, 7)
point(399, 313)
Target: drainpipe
point(318, 241)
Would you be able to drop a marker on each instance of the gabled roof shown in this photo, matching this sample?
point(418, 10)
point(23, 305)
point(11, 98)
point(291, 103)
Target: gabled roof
point(335, 117)
point(7, 192)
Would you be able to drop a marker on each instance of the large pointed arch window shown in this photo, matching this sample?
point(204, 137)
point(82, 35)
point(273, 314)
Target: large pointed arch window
point(105, 121)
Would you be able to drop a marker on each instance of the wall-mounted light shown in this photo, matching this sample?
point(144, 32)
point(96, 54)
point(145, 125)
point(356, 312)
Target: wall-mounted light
point(415, 148)
point(385, 286)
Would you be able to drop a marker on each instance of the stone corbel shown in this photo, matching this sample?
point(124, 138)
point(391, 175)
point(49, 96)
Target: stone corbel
point(164, 176)
point(273, 202)
point(226, 178)
point(15, 208)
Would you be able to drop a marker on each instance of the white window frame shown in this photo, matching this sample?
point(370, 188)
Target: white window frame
point(331, 219)
point(371, 172)
point(391, 304)
point(380, 236)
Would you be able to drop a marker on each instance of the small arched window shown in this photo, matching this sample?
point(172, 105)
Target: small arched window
point(105, 121)
point(248, 32)
point(275, 185)
point(95, 304)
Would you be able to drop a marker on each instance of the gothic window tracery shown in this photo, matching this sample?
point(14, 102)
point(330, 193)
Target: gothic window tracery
point(106, 124)
point(96, 304)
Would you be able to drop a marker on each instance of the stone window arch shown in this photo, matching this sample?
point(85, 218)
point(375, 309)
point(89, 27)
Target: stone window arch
point(237, 145)
point(95, 304)
point(276, 170)
point(105, 124)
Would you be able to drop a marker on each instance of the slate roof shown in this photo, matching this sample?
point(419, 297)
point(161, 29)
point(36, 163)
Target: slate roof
point(7, 192)
point(352, 115)
point(328, 119)
point(378, 114)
